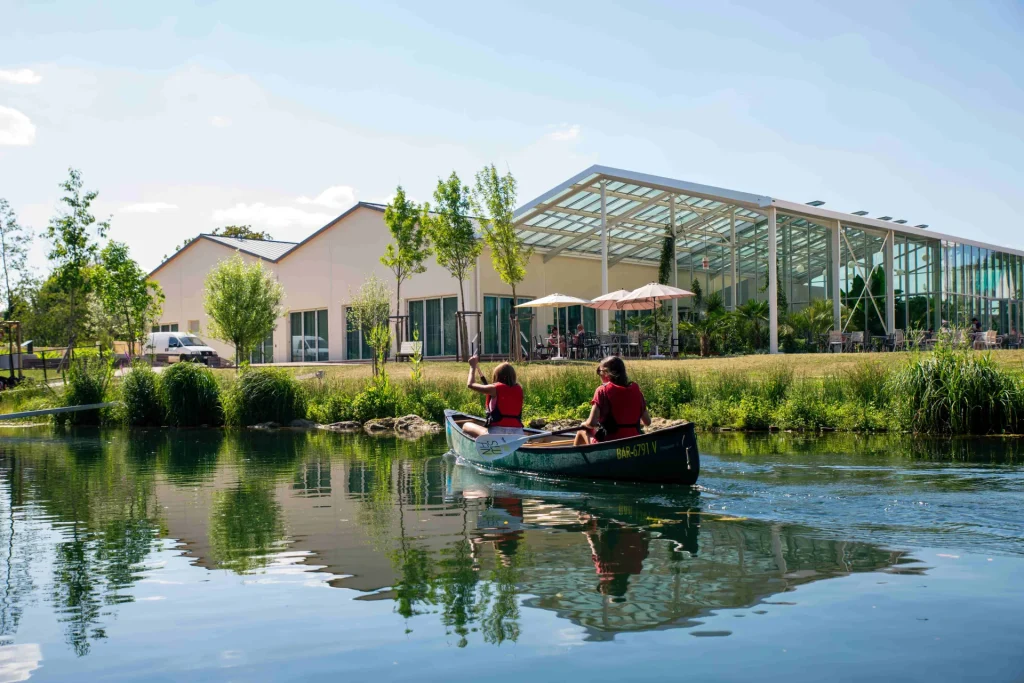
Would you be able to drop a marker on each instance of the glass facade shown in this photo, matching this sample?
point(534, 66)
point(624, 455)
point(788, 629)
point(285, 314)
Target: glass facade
point(356, 347)
point(433, 322)
point(308, 336)
point(496, 320)
point(981, 283)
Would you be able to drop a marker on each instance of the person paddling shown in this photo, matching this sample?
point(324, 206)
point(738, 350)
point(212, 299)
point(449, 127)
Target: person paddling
point(618, 410)
point(504, 400)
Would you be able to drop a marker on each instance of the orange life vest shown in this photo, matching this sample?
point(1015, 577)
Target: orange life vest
point(621, 413)
point(506, 408)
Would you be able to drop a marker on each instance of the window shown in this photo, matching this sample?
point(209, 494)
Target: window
point(432, 321)
point(193, 327)
point(356, 346)
point(497, 315)
point(165, 327)
point(308, 336)
point(264, 352)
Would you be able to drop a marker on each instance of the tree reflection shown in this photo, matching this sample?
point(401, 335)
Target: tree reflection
point(245, 524)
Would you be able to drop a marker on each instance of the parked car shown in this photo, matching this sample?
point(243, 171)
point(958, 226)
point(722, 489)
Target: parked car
point(179, 346)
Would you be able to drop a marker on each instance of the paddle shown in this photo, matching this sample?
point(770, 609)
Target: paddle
point(494, 446)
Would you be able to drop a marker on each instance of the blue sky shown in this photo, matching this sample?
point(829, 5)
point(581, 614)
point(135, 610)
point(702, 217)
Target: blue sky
point(281, 115)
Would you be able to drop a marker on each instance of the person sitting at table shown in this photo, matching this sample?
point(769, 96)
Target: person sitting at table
point(556, 340)
point(975, 325)
point(618, 409)
point(504, 400)
point(579, 339)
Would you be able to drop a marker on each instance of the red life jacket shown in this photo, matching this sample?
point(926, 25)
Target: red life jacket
point(505, 409)
point(624, 407)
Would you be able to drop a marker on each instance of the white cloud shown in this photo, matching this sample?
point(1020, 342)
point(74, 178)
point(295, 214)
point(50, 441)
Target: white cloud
point(147, 207)
point(15, 128)
point(565, 132)
point(220, 121)
point(259, 214)
point(19, 76)
point(334, 197)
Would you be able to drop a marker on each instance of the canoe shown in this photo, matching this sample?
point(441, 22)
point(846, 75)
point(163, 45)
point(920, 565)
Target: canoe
point(666, 456)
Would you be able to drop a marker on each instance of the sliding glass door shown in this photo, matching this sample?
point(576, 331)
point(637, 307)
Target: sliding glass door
point(432, 321)
point(308, 336)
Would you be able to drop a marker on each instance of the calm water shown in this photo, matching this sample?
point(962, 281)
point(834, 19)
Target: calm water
point(248, 557)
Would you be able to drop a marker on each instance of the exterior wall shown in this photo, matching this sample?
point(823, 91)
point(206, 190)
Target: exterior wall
point(182, 279)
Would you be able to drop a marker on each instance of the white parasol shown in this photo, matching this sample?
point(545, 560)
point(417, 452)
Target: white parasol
point(555, 301)
point(651, 294)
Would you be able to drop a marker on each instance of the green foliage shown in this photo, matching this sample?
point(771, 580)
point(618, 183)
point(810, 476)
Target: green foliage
point(264, 395)
point(128, 296)
point(380, 398)
point(74, 248)
point(14, 244)
point(955, 391)
point(242, 232)
point(668, 246)
point(243, 302)
point(190, 395)
point(410, 246)
point(245, 526)
point(140, 400)
point(87, 381)
point(368, 311)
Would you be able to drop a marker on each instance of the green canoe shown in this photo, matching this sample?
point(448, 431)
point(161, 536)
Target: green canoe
point(667, 456)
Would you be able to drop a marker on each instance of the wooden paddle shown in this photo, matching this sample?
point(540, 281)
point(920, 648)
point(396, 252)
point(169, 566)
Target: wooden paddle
point(494, 446)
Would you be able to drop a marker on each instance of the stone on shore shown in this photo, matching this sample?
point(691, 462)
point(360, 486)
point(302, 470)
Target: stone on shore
point(379, 426)
point(299, 423)
point(346, 427)
point(265, 426)
point(414, 426)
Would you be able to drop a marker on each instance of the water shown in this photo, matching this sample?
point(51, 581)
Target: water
point(205, 556)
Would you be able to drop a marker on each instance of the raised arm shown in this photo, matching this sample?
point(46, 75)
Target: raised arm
point(482, 387)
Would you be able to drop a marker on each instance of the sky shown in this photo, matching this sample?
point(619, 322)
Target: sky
point(186, 117)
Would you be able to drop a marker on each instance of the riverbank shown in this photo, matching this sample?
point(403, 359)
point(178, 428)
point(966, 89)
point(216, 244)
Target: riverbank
point(952, 391)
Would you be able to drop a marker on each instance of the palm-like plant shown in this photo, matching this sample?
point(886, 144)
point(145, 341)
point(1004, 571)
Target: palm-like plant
point(754, 315)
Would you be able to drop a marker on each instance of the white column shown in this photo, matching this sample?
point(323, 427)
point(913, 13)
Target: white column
point(675, 266)
point(732, 247)
point(834, 271)
point(604, 255)
point(890, 284)
point(773, 284)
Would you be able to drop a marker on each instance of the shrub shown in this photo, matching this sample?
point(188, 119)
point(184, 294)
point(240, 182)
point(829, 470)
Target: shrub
point(86, 384)
point(334, 407)
point(265, 395)
point(754, 412)
point(190, 395)
point(140, 399)
point(954, 391)
point(665, 394)
point(775, 384)
point(378, 399)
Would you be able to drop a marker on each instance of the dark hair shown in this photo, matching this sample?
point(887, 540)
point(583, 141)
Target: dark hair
point(506, 374)
point(616, 370)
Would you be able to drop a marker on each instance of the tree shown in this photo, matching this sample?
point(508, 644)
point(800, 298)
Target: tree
point(14, 243)
point(405, 256)
point(495, 200)
point(754, 315)
point(368, 311)
point(243, 301)
point(74, 250)
point(132, 300)
point(244, 232)
point(455, 244)
point(665, 265)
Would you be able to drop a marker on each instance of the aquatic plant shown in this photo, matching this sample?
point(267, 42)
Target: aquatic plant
point(264, 395)
point(190, 396)
point(140, 400)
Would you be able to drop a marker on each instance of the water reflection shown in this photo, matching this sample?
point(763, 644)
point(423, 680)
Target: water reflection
point(395, 521)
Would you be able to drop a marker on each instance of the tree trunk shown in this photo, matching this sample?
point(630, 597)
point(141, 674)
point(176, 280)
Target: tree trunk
point(397, 341)
point(463, 328)
point(513, 329)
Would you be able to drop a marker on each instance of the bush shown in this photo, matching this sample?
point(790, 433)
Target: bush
point(190, 395)
point(335, 407)
point(265, 395)
point(665, 394)
point(775, 384)
point(86, 384)
point(954, 391)
point(379, 399)
point(140, 399)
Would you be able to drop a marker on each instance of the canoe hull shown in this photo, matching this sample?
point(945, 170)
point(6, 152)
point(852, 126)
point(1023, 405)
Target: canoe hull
point(667, 456)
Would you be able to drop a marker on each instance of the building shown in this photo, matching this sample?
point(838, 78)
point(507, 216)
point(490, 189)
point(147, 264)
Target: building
point(603, 230)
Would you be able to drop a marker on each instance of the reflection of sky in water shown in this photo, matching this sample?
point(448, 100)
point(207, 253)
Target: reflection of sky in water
point(297, 555)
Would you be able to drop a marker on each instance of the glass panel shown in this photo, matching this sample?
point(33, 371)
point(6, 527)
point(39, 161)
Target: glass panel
point(490, 325)
point(575, 318)
point(590, 320)
point(296, 337)
point(504, 316)
point(352, 341)
point(450, 306)
point(174, 327)
point(321, 333)
point(433, 328)
point(525, 322)
point(309, 335)
point(415, 321)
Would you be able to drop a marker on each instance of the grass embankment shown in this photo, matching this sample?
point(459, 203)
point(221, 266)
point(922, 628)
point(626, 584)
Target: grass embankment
point(950, 391)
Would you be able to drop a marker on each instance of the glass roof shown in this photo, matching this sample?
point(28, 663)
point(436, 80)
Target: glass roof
point(638, 215)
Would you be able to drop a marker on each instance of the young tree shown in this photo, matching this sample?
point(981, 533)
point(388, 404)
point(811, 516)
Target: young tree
point(495, 200)
point(74, 249)
point(241, 231)
point(14, 243)
point(243, 302)
point(404, 256)
point(665, 264)
point(454, 242)
point(127, 295)
point(368, 311)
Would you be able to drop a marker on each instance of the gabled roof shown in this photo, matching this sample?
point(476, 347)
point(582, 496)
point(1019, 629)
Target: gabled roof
point(270, 250)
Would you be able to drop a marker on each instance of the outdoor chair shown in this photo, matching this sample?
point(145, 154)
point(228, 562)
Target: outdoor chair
point(836, 341)
point(633, 342)
point(987, 340)
point(856, 341)
point(1013, 340)
point(541, 350)
point(592, 345)
point(899, 341)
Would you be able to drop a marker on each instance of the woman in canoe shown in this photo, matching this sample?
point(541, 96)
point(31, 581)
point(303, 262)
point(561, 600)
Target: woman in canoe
point(504, 400)
point(618, 409)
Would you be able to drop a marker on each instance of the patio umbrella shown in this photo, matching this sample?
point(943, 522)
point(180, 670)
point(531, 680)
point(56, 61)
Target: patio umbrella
point(652, 294)
point(612, 301)
point(555, 301)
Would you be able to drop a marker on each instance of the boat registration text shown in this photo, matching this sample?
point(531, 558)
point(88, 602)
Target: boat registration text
point(636, 450)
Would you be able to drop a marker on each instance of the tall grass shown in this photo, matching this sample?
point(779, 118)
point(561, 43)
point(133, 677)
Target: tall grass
point(87, 381)
point(264, 395)
point(140, 400)
point(190, 396)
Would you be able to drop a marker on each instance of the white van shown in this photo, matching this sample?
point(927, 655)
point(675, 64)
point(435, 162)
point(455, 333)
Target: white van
point(179, 346)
